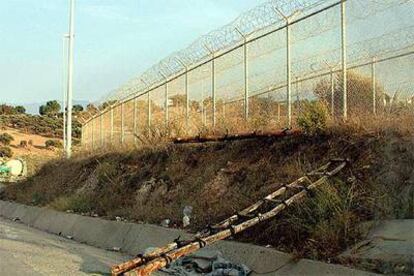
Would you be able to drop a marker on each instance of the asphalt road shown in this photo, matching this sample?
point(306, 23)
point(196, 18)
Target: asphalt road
point(27, 251)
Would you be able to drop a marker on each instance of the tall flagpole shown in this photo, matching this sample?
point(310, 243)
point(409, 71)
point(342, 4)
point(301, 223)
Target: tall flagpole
point(70, 79)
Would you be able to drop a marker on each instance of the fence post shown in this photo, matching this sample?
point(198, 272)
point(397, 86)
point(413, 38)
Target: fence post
point(246, 75)
point(344, 59)
point(93, 133)
point(187, 100)
point(224, 109)
point(298, 106)
point(213, 90)
point(101, 129)
point(332, 93)
point(149, 113)
point(83, 127)
point(289, 82)
point(374, 88)
point(112, 126)
point(187, 103)
point(135, 119)
point(166, 105)
point(278, 112)
point(122, 123)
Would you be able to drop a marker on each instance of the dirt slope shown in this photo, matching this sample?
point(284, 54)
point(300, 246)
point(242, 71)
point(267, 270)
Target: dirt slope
point(217, 179)
point(36, 154)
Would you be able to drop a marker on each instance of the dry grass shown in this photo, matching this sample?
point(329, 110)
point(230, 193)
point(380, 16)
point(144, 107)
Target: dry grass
point(217, 179)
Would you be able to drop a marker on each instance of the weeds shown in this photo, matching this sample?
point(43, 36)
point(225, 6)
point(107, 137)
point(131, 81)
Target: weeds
point(76, 203)
point(219, 179)
point(6, 152)
point(313, 120)
point(6, 139)
point(53, 144)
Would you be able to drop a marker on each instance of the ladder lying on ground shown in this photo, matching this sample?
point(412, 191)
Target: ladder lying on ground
point(262, 210)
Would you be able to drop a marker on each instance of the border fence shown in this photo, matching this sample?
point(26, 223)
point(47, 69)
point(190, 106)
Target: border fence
point(258, 73)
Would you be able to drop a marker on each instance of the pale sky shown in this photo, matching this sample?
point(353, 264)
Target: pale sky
point(115, 41)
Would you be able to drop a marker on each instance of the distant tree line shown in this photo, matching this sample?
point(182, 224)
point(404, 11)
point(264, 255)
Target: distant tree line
point(11, 110)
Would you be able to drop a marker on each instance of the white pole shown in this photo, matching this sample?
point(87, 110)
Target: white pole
point(135, 120)
point(101, 129)
point(288, 72)
point(246, 75)
point(70, 78)
point(111, 134)
point(374, 87)
point(344, 65)
point(213, 90)
point(332, 94)
point(64, 88)
point(122, 123)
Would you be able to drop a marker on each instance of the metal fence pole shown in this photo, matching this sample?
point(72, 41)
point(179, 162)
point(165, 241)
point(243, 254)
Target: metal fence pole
point(83, 128)
point(288, 68)
point(374, 87)
point(93, 133)
point(122, 123)
point(332, 93)
point(135, 119)
point(298, 106)
point(213, 91)
point(278, 112)
point(344, 59)
point(112, 126)
point(187, 99)
point(101, 129)
point(187, 103)
point(246, 80)
point(224, 109)
point(246, 75)
point(149, 112)
point(166, 105)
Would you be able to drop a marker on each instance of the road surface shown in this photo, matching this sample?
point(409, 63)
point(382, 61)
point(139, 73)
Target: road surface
point(27, 251)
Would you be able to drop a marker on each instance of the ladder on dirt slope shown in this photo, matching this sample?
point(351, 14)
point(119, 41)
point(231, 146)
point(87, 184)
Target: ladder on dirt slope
point(262, 210)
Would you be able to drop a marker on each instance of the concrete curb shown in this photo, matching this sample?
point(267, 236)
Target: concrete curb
point(135, 238)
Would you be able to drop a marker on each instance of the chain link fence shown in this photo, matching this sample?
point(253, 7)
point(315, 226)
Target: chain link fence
point(258, 72)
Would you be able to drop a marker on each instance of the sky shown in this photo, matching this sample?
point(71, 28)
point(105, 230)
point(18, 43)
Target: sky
point(115, 40)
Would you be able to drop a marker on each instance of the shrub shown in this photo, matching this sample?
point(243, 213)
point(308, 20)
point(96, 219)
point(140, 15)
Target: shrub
point(30, 142)
point(23, 144)
point(6, 139)
point(53, 144)
point(313, 118)
point(76, 203)
point(6, 152)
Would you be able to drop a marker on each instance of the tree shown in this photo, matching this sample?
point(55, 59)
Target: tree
point(77, 108)
point(20, 109)
point(51, 108)
point(6, 109)
point(359, 89)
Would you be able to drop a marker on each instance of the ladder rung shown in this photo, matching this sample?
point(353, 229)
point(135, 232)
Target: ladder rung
point(318, 173)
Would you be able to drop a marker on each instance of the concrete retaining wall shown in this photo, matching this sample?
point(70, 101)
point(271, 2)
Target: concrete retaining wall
point(135, 238)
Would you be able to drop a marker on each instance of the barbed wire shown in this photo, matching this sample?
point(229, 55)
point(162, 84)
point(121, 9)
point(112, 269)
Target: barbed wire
point(260, 21)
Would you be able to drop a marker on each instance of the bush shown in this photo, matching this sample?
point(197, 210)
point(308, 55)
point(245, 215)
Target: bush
point(53, 144)
point(6, 152)
point(23, 144)
point(76, 203)
point(313, 118)
point(6, 139)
